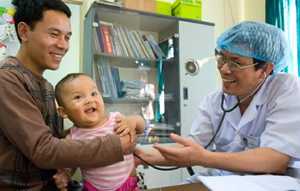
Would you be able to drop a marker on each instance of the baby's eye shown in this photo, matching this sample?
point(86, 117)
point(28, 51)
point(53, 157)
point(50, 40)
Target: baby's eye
point(94, 93)
point(77, 97)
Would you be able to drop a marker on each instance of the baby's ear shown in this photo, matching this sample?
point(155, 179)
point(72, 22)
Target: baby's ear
point(61, 112)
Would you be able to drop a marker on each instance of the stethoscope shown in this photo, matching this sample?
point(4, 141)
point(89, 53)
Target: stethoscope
point(225, 110)
point(228, 110)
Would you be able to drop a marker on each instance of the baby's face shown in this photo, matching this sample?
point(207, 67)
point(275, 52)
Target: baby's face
point(82, 102)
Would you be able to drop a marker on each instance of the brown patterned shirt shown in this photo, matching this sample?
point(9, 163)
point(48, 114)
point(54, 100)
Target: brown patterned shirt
point(30, 132)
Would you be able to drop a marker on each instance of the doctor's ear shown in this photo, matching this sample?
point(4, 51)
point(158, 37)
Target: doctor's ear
point(61, 112)
point(267, 69)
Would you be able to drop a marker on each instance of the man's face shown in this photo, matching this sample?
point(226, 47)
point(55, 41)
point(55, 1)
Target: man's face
point(239, 82)
point(47, 42)
point(82, 102)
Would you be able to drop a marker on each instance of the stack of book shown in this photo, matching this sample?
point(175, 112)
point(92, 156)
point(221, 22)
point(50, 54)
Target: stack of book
point(118, 40)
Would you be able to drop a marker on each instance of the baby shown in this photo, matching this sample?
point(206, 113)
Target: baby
point(79, 99)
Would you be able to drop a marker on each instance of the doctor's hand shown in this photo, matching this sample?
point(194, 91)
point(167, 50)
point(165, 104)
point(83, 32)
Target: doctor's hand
point(185, 153)
point(150, 155)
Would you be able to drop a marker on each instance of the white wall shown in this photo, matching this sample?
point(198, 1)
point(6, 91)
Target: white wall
point(255, 10)
point(226, 13)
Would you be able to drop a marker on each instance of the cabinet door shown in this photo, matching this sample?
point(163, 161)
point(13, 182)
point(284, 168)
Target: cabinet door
point(196, 41)
point(156, 179)
point(140, 63)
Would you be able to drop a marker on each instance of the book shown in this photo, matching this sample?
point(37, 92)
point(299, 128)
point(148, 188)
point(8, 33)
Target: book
point(155, 47)
point(96, 41)
point(139, 39)
point(96, 27)
point(106, 38)
point(132, 43)
point(110, 84)
point(250, 182)
point(103, 80)
point(122, 42)
point(116, 79)
point(148, 47)
point(126, 41)
point(97, 78)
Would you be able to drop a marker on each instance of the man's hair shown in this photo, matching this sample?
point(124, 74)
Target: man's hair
point(61, 83)
point(31, 11)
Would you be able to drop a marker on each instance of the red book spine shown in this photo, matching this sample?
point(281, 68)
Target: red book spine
point(106, 39)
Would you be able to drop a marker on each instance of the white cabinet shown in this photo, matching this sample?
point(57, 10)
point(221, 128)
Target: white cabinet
point(196, 42)
point(181, 40)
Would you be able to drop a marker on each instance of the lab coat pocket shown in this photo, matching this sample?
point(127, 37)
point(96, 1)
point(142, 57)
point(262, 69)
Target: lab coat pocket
point(230, 144)
point(251, 141)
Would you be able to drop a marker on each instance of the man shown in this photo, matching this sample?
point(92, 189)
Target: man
point(30, 129)
point(252, 124)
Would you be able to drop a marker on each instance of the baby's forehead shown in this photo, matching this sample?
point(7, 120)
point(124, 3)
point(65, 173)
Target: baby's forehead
point(77, 79)
point(79, 85)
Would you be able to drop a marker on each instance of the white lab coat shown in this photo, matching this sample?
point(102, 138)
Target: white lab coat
point(271, 120)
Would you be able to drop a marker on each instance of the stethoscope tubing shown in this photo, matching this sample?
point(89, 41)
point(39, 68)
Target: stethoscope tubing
point(225, 110)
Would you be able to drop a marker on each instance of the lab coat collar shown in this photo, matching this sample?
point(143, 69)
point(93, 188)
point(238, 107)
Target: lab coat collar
point(260, 97)
point(235, 118)
point(258, 100)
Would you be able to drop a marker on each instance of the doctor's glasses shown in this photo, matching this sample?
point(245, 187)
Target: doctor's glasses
point(220, 59)
point(232, 65)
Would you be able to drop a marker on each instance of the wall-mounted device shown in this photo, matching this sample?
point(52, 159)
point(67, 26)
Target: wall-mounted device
point(192, 67)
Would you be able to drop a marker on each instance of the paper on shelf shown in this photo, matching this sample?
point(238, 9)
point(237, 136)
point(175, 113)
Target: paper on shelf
point(250, 183)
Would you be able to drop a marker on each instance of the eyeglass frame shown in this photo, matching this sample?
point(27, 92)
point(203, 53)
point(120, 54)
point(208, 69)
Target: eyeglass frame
point(232, 65)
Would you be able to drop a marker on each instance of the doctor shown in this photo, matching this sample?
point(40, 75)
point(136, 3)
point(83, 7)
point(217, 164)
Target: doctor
point(252, 125)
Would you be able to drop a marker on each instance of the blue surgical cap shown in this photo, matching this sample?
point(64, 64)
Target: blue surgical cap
point(257, 40)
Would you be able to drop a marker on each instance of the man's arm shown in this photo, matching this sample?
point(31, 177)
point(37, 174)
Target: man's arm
point(23, 125)
point(258, 160)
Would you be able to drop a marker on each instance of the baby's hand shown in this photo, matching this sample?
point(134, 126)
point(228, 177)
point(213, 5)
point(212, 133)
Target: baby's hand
point(61, 178)
point(124, 127)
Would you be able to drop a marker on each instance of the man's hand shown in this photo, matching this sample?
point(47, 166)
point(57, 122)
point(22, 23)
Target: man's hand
point(125, 126)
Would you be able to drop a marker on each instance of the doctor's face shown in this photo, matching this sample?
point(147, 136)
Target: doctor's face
point(239, 76)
